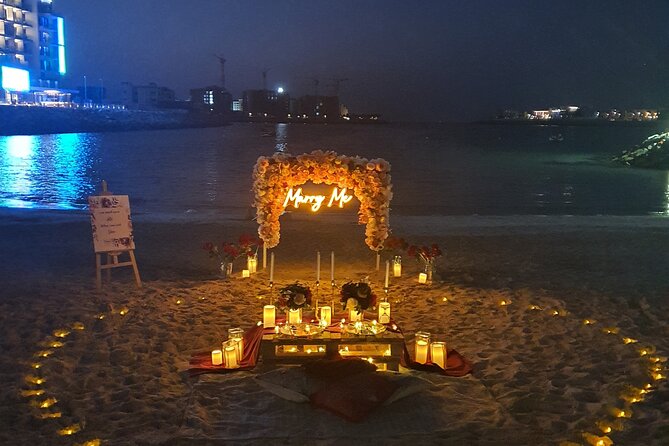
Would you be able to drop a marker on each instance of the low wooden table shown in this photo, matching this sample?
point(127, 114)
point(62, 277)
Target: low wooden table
point(384, 350)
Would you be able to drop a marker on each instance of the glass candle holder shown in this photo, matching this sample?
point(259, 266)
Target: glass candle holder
point(236, 338)
point(422, 346)
point(230, 353)
point(384, 312)
point(354, 316)
point(295, 316)
point(269, 316)
point(438, 353)
point(397, 266)
point(326, 315)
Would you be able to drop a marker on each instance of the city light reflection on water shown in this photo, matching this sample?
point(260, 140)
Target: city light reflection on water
point(45, 171)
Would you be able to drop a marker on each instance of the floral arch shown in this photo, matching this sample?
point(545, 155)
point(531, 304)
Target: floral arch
point(274, 176)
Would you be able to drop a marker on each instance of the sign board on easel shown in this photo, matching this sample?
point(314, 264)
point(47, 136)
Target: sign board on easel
point(112, 233)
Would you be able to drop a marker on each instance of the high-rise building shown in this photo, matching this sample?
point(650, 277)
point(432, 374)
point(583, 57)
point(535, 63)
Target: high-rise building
point(32, 52)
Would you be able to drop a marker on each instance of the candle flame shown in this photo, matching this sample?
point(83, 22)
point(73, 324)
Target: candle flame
point(47, 403)
point(123, 311)
point(78, 326)
point(36, 365)
point(32, 379)
point(100, 316)
point(48, 415)
point(44, 353)
point(61, 333)
point(56, 344)
point(29, 393)
point(94, 442)
point(69, 430)
point(629, 341)
point(588, 321)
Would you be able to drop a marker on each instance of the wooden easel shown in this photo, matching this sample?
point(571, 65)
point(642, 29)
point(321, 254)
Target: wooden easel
point(112, 258)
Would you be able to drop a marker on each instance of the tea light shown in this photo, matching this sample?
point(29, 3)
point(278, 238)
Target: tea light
point(384, 312)
point(354, 316)
point(438, 354)
point(269, 316)
point(295, 316)
point(397, 269)
point(231, 357)
point(326, 315)
point(246, 273)
point(422, 278)
point(217, 357)
point(422, 346)
point(236, 338)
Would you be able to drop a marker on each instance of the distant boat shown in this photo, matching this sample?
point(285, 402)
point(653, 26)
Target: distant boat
point(556, 138)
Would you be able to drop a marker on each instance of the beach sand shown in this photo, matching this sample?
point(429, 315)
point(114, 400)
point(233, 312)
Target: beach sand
point(552, 362)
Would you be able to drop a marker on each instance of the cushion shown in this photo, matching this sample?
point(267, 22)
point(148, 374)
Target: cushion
point(354, 397)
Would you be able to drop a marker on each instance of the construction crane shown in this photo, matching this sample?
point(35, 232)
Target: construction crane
point(264, 78)
point(221, 61)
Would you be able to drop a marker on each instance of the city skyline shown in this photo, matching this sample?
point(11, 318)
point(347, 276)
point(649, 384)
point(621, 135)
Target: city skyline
point(429, 61)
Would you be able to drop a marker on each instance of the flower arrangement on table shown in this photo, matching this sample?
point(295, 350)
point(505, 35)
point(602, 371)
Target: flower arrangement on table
point(369, 180)
point(427, 254)
point(294, 296)
point(225, 254)
point(357, 296)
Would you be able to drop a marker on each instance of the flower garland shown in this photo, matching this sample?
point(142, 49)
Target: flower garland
point(294, 296)
point(357, 296)
point(369, 180)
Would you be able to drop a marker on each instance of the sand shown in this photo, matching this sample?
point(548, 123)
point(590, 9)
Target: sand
point(550, 364)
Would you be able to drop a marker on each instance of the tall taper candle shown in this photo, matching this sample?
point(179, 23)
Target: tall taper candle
point(264, 256)
point(332, 266)
point(378, 261)
point(318, 266)
point(271, 267)
point(385, 284)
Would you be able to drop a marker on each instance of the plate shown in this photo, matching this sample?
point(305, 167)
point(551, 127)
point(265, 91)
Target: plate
point(364, 328)
point(302, 329)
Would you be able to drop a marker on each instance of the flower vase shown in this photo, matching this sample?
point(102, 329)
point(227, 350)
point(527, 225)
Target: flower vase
point(226, 269)
point(397, 266)
point(429, 268)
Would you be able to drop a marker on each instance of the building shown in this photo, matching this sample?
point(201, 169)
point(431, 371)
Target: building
point(212, 99)
point(266, 104)
point(317, 107)
point(146, 97)
point(32, 53)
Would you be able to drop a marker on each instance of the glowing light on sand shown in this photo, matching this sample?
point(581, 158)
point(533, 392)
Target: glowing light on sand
point(56, 344)
point(100, 316)
point(69, 430)
point(29, 393)
point(61, 333)
point(78, 326)
point(588, 321)
point(657, 376)
point(32, 379)
point(629, 341)
point(123, 311)
point(179, 301)
point(504, 303)
point(610, 330)
point(596, 440)
point(94, 442)
point(44, 353)
point(36, 365)
point(50, 415)
point(445, 299)
point(47, 403)
point(604, 427)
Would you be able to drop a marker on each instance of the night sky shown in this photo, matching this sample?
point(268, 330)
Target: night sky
point(408, 60)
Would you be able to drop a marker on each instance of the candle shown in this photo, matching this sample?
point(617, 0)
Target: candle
point(385, 284)
point(269, 316)
point(332, 266)
point(264, 256)
point(397, 269)
point(271, 268)
point(318, 266)
point(378, 260)
point(245, 273)
point(422, 278)
point(354, 316)
point(295, 316)
point(252, 264)
point(231, 357)
point(216, 357)
point(438, 353)
point(236, 338)
point(384, 312)
point(421, 351)
point(326, 315)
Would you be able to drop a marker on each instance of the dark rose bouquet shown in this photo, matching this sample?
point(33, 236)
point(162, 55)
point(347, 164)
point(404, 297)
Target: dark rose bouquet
point(357, 296)
point(249, 244)
point(425, 253)
point(294, 296)
point(226, 253)
point(395, 244)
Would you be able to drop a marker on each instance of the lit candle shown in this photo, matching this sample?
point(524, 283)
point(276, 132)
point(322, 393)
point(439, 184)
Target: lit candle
point(385, 284)
point(438, 353)
point(397, 269)
point(384, 312)
point(332, 266)
point(271, 268)
point(264, 256)
point(421, 351)
point(318, 266)
point(236, 338)
point(326, 315)
point(354, 316)
point(422, 278)
point(231, 357)
point(295, 316)
point(269, 316)
point(378, 261)
point(245, 273)
point(252, 264)
point(217, 357)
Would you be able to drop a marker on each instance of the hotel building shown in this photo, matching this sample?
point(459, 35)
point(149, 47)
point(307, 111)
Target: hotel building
point(32, 53)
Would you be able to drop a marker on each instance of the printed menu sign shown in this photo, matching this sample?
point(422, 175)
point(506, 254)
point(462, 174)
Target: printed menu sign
point(112, 226)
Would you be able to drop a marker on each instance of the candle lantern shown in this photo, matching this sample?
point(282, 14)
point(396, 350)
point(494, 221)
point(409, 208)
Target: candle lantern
point(217, 357)
point(384, 312)
point(236, 338)
point(269, 316)
point(295, 316)
point(231, 357)
point(326, 315)
point(422, 278)
point(252, 263)
point(246, 273)
point(397, 266)
point(354, 316)
point(438, 354)
point(422, 346)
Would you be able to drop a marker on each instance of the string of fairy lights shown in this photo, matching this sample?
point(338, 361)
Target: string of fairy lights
point(44, 404)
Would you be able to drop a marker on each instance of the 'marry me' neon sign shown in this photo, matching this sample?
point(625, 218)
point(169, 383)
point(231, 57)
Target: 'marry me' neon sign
point(338, 197)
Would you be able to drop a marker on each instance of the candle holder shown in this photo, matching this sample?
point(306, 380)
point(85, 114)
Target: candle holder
point(422, 347)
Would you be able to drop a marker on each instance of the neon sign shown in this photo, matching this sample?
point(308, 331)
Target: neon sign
point(338, 197)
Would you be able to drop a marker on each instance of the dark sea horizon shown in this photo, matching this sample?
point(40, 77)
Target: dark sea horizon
point(437, 169)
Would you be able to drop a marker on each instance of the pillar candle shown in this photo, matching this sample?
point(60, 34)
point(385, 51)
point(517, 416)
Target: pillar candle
point(332, 266)
point(421, 351)
point(326, 314)
point(245, 273)
point(269, 316)
point(354, 316)
point(438, 353)
point(271, 267)
point(252, 264)
point(385, 284)
point(318, 266)
point(231, 357)
point(397, 269)
point(384, 312)
point(378, 261)
point(217, 357)
point(422, 278)
point(236, 338)
point(295, 316)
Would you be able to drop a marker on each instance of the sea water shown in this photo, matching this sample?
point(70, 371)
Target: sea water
point(437, 169)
